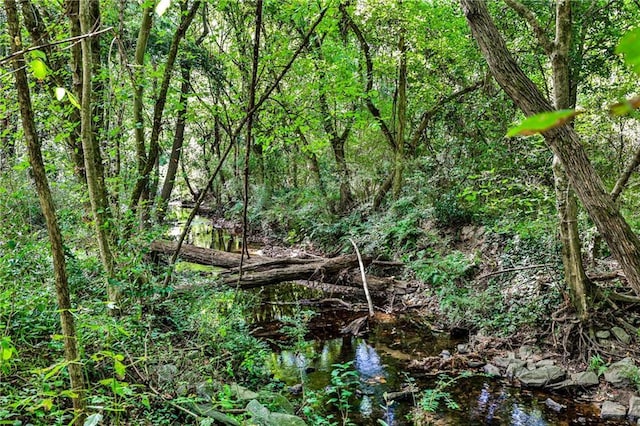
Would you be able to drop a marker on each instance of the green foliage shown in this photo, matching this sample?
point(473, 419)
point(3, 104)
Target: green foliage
point(629, 46)
point(441, 271)
point(432, 398)
point(337, 396)
point(597, 364)
point(448, 210)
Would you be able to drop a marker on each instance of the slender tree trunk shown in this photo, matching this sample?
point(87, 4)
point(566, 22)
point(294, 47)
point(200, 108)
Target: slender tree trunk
point(94, 180)
point(176, 148)
point(48, 209)
point(563, 141)
point(250, 112)
point(580, 288)
point(158, 110)
point(398, 169)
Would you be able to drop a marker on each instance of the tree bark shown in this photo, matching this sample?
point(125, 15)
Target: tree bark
point(94, 180)
point(563, 141)
point(176, 148)
point(580, 288)
point(48, 209)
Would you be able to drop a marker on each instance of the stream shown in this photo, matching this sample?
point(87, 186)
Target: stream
point(381, 360)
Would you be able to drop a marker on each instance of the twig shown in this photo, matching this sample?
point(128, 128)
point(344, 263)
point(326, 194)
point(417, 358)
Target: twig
point(521, 268)
point(53, 43)
point(364, 278)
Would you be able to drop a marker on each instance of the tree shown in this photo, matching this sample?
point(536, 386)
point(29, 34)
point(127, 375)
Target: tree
point(562, 140)
point(95, 179)
point(72, 356)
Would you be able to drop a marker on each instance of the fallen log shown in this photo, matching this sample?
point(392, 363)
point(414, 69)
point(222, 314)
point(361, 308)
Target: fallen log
point(222, 259)
point(332, 275)
point(317, 270)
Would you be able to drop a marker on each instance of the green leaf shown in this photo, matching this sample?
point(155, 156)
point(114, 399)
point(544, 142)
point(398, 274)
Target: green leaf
point(39, 69)
point(629, 47)
point(60, 92)
point(625, 107)
point(93, 420)
point(73, 100)
point(119, 368)
point(38, 54)
point(542, 122)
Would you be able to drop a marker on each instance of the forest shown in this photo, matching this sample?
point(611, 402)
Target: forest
point(322, 212)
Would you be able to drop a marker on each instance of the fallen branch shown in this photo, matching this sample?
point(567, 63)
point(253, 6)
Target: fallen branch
point(364, 278)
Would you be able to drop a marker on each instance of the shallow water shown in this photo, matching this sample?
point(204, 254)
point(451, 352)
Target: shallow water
point(381, 363)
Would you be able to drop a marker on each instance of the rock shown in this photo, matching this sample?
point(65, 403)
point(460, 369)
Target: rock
point(277, 402)
point(525, 352)
point(542, 376)
point(491, 370)
point(474, 364)
point(515, 368)
point(544, 363)
point(295, 389)
point(207, 410)
point(503, 362)
point(634, 407)
point(241, 393)
point(618, 372)
point(603, 334)
point(612, 410)
point(585, 379)
point(555, 406)
point(621, 335)
point(261, 415)
point(166, 375)
point(445, 354)
point(463, 348)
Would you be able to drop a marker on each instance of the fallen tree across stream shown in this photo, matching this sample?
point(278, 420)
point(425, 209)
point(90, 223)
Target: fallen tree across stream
point(257, 271)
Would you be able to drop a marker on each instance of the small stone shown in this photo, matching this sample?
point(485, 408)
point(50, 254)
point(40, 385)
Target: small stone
point(585, 379)
point(475, 364)
point(544, 363)
point(603, 334)
point(612, 410)
point(502, 362)
point(515, 368)
point(634, 407)
point(463, 348)
point(525, 352)
point(621, 335)
point(491, 370)
point(555, 406)
point(445, 354)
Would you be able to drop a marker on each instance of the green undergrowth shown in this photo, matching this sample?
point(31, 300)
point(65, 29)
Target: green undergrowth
point(426, 230)
point(197, 335)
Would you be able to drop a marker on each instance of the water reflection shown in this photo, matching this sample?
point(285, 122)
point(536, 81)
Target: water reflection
point(482, 401)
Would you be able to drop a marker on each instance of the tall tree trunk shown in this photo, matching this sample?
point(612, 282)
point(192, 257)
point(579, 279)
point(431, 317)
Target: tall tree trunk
point(176, 148)
point(398, 169)
point(158, 110)
point(94, 180)
point(580, 288)
point(138, 92)
point(563, 141)
point(71, 353)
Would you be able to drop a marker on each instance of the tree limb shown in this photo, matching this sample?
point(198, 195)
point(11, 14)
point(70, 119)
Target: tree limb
point(531, 19)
